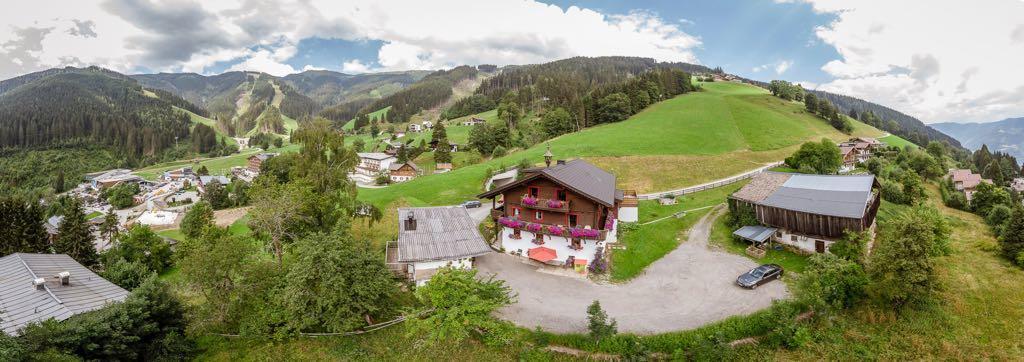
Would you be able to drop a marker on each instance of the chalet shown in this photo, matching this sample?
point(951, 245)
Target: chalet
point(371, 163)
point(206, 180)
point(111, 178)
point(414, 127)
point(808, 212)
point(966, 181)
point(560, 214)
point(38, 287)
point(442, 167)
point(427, 125)
point(858, 150)
point(256, 161)
point(393, 147)
point(430, 238)
point(179, 174)
point(1017, 184)
point(473, 121)
point(453, 147)
point(403, 171)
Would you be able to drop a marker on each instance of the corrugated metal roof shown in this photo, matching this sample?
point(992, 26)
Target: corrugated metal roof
point(374, 155)
point(755, 233)
point(442, 233)
point(841, 196)
point(21, 303)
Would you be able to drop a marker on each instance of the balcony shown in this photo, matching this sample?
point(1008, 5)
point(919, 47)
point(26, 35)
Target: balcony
point(566, 232)
point(546, 204)
point(629, 198)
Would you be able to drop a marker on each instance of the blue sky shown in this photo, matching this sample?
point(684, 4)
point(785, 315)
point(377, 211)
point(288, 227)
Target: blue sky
point(903, 54)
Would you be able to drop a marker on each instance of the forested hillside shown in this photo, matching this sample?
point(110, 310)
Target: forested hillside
point(328, 88)
point(1003, 136)
point(57, 124)
point(429, 92)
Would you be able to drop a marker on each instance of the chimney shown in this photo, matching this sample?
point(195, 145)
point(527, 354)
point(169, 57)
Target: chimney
point(560, 162)
point(65, 278)
point(410, 222)
point(39, 283)
point(548, 156)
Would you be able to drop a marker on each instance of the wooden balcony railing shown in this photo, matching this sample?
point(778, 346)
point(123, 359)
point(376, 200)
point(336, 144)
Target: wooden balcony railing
point(542, 204)
point(601, 236)
point(629, 198)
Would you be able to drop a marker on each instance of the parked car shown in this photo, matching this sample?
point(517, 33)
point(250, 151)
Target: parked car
point(759, 275)
point(471, 204)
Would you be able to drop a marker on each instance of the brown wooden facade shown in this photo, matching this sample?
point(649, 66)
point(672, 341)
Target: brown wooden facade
point(577, 210)
point(815, 225)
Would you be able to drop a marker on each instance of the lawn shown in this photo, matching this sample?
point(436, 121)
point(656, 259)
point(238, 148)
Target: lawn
point(721, 236)
point(687, 140)
point(211, 123)
point(650, 242)
point(216, 165)
point(372, 116)
point(894, 140)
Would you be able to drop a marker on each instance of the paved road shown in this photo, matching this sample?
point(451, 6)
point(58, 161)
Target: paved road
point(689, 287)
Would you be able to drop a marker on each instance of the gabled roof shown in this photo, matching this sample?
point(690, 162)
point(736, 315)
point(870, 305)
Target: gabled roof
point(263, 156)
point(398, 165)
point(578, 175)
point(375, 155)
point(223, 180)
point(21, 302)
point(830, 195)
point(442, 233)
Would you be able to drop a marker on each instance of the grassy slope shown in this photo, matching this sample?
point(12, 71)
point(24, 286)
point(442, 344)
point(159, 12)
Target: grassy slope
point(216, 165)
point(372, 116)
point(975, 317)
point(894, 140)
point(727, 129)
point(650, 242)
point(211, 123)
point(721, 235)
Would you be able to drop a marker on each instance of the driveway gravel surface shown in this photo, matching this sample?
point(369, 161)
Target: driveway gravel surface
point(692, 286)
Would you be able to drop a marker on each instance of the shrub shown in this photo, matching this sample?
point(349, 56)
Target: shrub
point(599, 265)
point(126, 274)
point(831, 282)
point(197, 219)
point(853, 247)
point(498, 152)
point(998, 215)
point(598, 323)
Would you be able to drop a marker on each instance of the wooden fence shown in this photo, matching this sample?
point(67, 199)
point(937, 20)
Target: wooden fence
point(710, 185)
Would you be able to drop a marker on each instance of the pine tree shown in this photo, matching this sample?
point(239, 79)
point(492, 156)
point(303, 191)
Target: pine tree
point(21, 228)
point(1012, 240)
point(58, 182)
point(74, 236)
point(108, 229)
point(443, 152)
point(598, 323)
point(402, 155)
point(439, 133)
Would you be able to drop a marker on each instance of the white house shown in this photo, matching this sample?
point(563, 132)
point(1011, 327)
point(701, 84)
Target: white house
point(413, 127)
point(371, 163)
point(428, 125)
point(430, 238)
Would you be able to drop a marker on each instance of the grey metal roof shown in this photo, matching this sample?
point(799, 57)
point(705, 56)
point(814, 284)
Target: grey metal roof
point(840, 196)
point(396, 165)
point(223, 180)
point(755, 233)
point(442, 233)
point(374, 155)
point(21, 303)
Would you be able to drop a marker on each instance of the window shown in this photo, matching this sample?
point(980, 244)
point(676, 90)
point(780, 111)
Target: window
point(778, 234)
point(515, 211)
point(538, 215)
point(560, 194)
point(793, 238)
point(534, 191)
point(573, 220)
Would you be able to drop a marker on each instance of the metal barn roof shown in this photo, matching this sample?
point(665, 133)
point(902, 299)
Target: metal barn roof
point(831, 195)
point(442, 233)
point(21, 302)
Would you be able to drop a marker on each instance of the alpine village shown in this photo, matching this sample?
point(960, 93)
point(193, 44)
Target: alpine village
point(584, 208)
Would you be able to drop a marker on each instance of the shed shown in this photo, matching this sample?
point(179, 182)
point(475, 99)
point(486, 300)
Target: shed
point(756, 234)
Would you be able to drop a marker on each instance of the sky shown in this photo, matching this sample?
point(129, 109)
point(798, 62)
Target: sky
point(937, 60)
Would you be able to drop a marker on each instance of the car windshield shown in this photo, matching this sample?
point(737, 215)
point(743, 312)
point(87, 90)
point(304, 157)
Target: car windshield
point(757, 273)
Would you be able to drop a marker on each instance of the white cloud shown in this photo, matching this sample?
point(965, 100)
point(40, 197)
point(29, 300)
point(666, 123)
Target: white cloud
point(263, 35)
point(937, 60)
point(354, 66)
point(779, 67)
point(782, 66)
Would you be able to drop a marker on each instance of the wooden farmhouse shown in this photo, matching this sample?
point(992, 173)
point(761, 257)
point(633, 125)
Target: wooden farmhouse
point(858, 150)
point(430, 238)
point(560, 214)
point(256, 161)
point(809, 212)
point(403, 171)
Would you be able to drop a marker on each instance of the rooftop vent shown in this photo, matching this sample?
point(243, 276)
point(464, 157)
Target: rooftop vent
point(410, 222)
point(65, 278)
point(39, 283)
point(560, 162)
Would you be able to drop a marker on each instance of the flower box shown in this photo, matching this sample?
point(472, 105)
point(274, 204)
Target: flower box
point(555, 230)
point(510, 222)
point(529, 200)
point(555, 204)
point(584, 233)
point(533, 227)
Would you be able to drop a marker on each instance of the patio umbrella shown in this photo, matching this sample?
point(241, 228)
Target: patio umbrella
point(542, 254)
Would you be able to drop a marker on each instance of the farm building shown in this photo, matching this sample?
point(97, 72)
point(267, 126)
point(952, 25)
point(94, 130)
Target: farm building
point(562, 213)
point(809, 212)
point(403, 171)
point(473, 121)
point(37, 287)
point(256, 161)
point(966, 181)
point(443, 167)
point(111, 178)
point(179, 174)
point(206, 180)
point(430, 238)
point(414, 127)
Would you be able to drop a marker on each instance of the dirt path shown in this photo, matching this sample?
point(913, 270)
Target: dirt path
point(690, 287)
point(227, 217)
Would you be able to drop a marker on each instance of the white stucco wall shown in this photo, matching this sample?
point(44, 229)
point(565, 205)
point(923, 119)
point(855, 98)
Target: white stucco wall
point(464, 263)
point(629, 214)
point(559, 243)
point(803, 243)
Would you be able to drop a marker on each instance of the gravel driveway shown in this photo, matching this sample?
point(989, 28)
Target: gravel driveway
point(691, 286)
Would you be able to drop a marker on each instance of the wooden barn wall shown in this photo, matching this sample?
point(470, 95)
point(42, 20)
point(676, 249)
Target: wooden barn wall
point(812, 224)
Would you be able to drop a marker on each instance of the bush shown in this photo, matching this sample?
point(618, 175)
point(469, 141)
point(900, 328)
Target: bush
point(998, 215)
point(498, 152)
point(197, 219)
point(126, 274)
point(599, 265)
point(122, 196)
point(831, 282)
point(853, 247)
point(598, 323)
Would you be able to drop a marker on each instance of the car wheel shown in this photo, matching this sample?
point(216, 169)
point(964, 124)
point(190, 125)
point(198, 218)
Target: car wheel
point(754, 286)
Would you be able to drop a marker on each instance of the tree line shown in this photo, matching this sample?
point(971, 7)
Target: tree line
point(428, 92)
